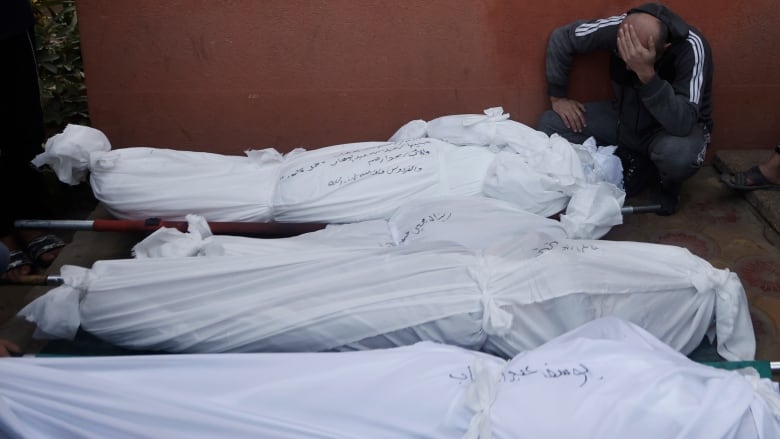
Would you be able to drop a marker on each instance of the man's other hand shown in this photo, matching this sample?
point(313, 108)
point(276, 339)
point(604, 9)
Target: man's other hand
point(571, 112)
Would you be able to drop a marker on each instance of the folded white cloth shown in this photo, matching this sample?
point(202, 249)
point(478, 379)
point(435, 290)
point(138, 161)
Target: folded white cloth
point(607, 379)
point(494, 129)
point(513, 295)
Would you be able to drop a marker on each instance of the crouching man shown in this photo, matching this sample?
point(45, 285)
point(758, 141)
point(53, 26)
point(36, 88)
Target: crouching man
point(661, 70)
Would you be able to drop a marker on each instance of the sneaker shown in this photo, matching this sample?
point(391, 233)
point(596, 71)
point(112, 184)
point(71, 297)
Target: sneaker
point(668, 197)
point(637, 171)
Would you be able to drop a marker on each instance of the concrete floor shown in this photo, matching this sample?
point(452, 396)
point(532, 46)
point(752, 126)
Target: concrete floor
point(714, 223)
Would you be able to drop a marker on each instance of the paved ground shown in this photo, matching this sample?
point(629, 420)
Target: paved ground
point(728, 229)
point(724, 228)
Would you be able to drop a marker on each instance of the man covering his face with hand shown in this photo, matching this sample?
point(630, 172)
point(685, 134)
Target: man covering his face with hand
point(660, 119)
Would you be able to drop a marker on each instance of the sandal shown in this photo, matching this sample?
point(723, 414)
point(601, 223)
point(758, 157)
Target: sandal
point(40, 246)
point(17, 259)
point(749, 180)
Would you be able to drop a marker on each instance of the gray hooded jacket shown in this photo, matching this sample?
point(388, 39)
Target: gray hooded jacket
point(678, 96)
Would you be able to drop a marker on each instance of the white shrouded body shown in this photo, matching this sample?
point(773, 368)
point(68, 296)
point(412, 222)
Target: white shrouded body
point(511, 296)
point(607, 379)
point(339, 183)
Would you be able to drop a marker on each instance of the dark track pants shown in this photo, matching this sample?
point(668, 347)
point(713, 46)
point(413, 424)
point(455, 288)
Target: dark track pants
point(676, 158)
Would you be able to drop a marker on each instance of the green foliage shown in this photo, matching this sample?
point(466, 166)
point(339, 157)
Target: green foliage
point(63, 91)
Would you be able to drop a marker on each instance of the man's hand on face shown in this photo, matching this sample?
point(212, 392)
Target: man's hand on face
point(571, 112)
point(638, 58)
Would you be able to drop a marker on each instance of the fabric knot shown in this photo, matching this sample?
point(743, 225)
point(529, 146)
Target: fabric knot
point(490, 131)
point(170, 242)
point(56, 313)
point(265, 157)
point(706, 278)
point(102, 161)
point(495, 320)
point(765, 388)
point(69, 153)
point(495, 114)
point(479, 398)
point(78, 278)
point(197, 225)
point(270, 157)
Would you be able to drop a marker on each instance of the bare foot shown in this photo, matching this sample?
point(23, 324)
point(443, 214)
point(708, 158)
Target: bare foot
point(8, 348)
point(47, 258)
point(18, 274)
point(771, 173)
point(21, 270)
point(31, 239)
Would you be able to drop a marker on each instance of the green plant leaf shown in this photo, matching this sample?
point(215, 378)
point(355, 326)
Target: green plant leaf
point(63, 91)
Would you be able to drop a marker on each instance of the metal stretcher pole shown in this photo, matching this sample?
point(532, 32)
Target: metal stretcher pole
point(265, 230)
point(34, 279)
point(652, 208)
point(262, 230)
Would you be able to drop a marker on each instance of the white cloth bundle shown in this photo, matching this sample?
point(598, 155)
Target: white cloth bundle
point(537, 171)
point(496, 130)
point(335, 184)
point(474, 222)
point(606, 379)
point(512, 296)
point(493, 128)
point(139, 183)
point(68, 153)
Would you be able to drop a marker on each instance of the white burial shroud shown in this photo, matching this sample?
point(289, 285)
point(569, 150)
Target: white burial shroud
point(474, 222)
point(335, 184)
point(513, 295)
point(606, 379)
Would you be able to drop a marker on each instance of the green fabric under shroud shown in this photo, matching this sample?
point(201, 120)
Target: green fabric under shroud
point(763, 368)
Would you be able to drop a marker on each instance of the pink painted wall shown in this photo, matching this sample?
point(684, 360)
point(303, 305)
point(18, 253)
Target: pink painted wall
point(227, 75)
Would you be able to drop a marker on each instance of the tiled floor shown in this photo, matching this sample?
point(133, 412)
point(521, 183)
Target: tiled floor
point(720, 226)
point(714, 223)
